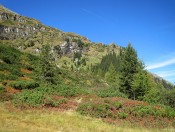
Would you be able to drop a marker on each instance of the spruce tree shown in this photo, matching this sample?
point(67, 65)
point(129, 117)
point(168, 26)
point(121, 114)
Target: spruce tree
point(129, 66)
point(140, 85)
point(111, 76)
point(47, 65)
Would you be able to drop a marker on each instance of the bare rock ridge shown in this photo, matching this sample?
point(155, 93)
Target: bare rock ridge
point(29, 34)
point(12, 25)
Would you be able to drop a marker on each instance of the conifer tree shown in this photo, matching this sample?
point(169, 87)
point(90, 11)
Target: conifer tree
point(112, 76)
point(47, 65)
point(129, 66)
point(140, 85)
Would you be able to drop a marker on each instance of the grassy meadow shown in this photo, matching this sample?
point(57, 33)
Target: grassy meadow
point(13, 119)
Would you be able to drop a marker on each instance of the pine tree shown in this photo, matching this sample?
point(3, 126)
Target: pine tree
point(111, 76)
point(100, 72)
point(129, 66)
point(140, 85)
point(154, 91)
point(47, 65)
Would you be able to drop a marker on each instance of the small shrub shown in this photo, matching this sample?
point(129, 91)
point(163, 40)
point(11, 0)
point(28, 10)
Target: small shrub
point(122, 115)
point(68, 91)
point(11, 77)
point(24, 84)
point(168, 97)
point(8, 77)
point(163, 111)
point(61, 101)
point(170, 112)
point(117, 105)
point(142, 111)
point(15, 71)
point(2, 89)
point(107, 100)
point(2, 77)
point(54, 102)
point(9, 54)
point(110, 93)
point(46, 90)
point(29, 98)
point(96, 110)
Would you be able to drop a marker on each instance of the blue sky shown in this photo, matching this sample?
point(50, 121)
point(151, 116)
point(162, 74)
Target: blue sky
point(148, 24)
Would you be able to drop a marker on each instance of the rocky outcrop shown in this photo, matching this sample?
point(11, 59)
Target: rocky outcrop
point(7, 16)
point(13, 32)
point(13, 26)
point(10, 32)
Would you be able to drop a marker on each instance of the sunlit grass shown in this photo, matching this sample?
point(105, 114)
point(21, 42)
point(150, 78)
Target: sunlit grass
point(15, 120)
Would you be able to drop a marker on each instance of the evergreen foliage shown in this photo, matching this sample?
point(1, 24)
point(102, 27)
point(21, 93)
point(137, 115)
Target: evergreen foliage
point(110, 58)
point(168, 97)
point(112, 76)
point(47, 67)
point(129, 66)
point(140, 85)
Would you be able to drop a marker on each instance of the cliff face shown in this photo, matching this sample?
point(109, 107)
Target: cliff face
point(13, 26)
point(7, 32)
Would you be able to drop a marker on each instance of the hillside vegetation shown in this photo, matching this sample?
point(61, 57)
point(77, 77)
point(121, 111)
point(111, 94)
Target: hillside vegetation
point(29, 82)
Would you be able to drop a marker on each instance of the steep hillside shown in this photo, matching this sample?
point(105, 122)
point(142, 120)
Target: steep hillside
point(23, 87)
point(28, 35)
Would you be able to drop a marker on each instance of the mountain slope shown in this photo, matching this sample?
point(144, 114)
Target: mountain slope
point(49, 76)
point(28, 35)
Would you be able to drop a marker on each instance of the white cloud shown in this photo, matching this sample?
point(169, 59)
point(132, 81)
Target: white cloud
point(161, 64)
point(163, 74)
point(91, 13)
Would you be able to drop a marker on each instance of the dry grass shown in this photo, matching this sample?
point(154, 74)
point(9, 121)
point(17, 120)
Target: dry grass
point(26, 71)
point(11, 90)
point(15, 120)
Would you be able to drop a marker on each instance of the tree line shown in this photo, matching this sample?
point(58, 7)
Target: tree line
point(126, 73)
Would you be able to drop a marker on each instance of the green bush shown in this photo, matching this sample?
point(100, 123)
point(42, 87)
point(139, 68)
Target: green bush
point(107, 100)
point(9, 54)
point(11, 77)
point(8, 77)
point(68, 91)
point(41, 96)
point(24, 84)
point(111, 92)
point(2, 89)
point(168, 97)
point(2, 77)
point(161, 111)
point(14, 72)
point(117, 105)
point(50, 101)
point(169, 112)
point(46, 90)
point(122, 115)
point(101, 110)
point(29, 98)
